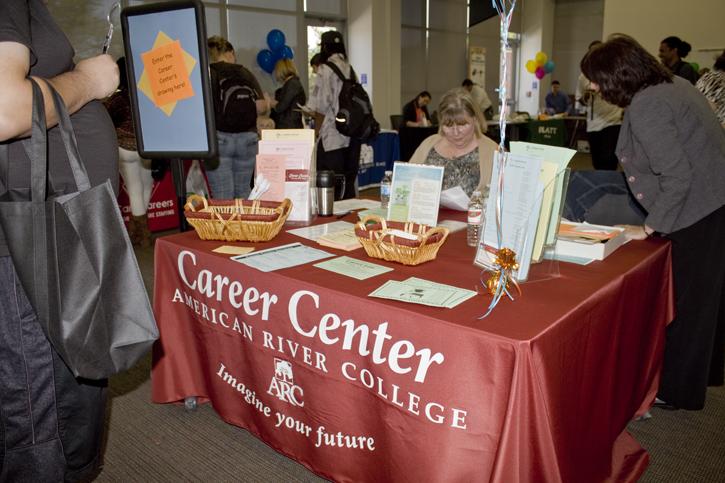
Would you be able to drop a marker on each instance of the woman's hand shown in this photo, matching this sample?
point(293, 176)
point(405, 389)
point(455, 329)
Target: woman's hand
point(636, 232)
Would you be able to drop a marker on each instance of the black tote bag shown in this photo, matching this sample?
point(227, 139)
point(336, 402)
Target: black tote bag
point(75, 260)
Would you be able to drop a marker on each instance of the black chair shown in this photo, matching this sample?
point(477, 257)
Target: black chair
point(396, 121)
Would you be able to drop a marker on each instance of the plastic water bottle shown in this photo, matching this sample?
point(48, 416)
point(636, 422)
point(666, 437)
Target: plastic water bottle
point(385, 189)
point(475, 218)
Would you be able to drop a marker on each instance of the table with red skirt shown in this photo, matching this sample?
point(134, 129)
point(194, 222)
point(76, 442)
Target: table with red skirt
point(366, 389)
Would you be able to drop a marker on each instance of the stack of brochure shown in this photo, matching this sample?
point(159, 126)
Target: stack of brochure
point(342, 240)
point(284, 159)
point(587, 241)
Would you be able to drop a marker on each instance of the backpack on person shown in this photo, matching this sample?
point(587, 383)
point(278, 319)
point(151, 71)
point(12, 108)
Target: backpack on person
point(355, 115)
point(235, 109)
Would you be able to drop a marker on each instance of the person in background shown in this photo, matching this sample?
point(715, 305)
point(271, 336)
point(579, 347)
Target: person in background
point(335, 152)
point(51, 423)
point(460, 146)
point(315, 62)
point(557, 101)
point(603, 123)
point(672, 149)
point(237, 150)
point(415, 113)
point(286, 111)
point(672, 51)
point(135, 171)
point(712, 85)
point(479, 96)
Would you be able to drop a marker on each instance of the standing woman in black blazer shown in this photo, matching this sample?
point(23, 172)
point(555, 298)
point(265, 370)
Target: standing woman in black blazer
point(672, 149)
point(288, 99)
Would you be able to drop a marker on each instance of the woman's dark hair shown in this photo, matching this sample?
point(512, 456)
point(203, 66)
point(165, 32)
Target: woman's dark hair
point(683, 48)
point(424, 94)
point(622, 67)
point(316, 60)
point(720, 62)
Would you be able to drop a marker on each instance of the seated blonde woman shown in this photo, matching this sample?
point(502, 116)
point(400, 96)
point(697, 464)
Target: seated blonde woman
point(460, 145)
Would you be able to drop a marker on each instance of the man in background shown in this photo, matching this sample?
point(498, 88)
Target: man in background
point(557, 101)
point(335, 151)
point(603, 122)
point(479, 96)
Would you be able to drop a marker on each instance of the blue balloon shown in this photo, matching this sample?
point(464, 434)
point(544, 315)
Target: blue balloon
point(549, 67)
point(275, 39)
point(266, 60)
point(287, 52)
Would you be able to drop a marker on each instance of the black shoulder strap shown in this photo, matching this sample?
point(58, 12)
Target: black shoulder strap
point(214, 74)
point(4, 167)
point(337, 71)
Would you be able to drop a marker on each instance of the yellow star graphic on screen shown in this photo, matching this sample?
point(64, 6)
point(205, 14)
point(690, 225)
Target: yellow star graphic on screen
point(165, 78)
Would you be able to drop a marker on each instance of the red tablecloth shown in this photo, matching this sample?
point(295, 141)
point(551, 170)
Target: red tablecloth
point(364, 389)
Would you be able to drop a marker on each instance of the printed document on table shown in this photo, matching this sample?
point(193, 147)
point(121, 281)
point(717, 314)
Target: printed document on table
point(434, 296)
point(316, 231)
point(415, 193)
point(345, 206)
point(280, 257)
point(461, 294)
point(520, 206)
point(352, 267)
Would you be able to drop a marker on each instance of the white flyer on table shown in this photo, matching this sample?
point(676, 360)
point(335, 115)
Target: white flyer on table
point(297, 189)
point(314, 232)
point(455, 199)
point(345, 206)
point(520, 207)
point(280, 257)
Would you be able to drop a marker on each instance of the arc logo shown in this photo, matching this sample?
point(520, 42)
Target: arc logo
point(282, 385)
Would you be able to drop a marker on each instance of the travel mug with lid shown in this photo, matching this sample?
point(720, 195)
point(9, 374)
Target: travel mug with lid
point(325, 192)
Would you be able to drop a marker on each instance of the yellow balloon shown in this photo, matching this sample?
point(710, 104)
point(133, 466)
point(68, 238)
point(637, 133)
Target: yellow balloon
point(531, 66)
point(541, 58)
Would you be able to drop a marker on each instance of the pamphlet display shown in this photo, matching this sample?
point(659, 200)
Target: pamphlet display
point(285, 161)
point(530, 206)
point(520, 208)
point(552, 176)
point(415, 193)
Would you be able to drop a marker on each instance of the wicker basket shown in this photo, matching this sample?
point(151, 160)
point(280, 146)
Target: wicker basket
point(379, 240)
point(236, 220)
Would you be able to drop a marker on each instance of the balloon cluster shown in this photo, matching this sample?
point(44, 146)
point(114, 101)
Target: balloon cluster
point(268, 58)
point(540, 65)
